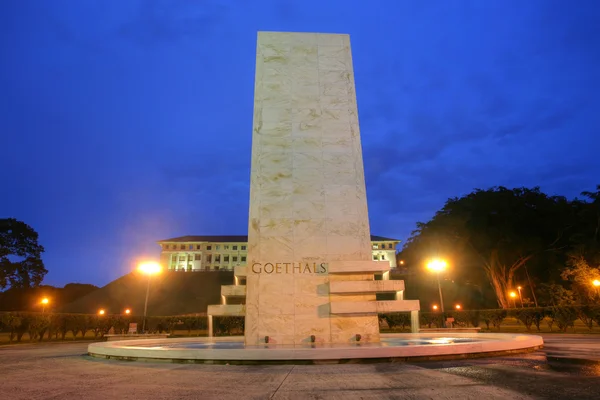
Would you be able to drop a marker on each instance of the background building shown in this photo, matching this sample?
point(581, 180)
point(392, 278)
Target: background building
point(214, 253)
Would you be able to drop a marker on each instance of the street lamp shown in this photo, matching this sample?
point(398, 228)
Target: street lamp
point(438, 266)
point(435, 307)
point(458, 307)
point(148, 268)
point(513, 296)
point(44, 302)
point(596, 284)
point(101, 312)
point(127, 311)
point(520, 296)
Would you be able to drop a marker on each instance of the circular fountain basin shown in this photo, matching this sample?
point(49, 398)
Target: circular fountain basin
point(392, 347)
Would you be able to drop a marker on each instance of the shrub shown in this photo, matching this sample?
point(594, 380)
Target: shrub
point(495, 317)
point(564, 317)
point(529, 316)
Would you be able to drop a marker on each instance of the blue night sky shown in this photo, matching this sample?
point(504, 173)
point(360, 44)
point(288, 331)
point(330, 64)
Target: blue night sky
point(125, 122)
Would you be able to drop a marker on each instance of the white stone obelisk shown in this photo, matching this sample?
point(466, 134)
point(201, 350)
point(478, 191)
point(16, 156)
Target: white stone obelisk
point(308, 222)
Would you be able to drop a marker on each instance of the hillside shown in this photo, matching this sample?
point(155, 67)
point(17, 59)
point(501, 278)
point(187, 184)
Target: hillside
point(171, 293)
point(28, 299)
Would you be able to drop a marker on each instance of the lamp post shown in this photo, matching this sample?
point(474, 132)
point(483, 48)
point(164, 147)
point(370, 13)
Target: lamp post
point(44, 302)
point(513, 296)
point(596, 284)
point(438, 266)
point(148, 268)
point(520, 295)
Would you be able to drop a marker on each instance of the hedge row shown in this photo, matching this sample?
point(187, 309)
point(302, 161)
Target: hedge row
point(50, 325)
point(561, 317)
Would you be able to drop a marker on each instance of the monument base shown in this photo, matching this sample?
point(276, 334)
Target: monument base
point(231, 350)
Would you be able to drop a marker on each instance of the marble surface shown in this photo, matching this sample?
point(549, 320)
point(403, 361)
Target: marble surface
point(307, 191)
point(365, 286)
point(360, 307)
point(232, 310)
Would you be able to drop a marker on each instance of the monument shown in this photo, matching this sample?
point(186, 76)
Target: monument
point(310, 280)
point(310, 276)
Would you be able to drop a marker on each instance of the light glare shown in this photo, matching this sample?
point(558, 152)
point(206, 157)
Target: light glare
point(149, 268)
point(437, 265)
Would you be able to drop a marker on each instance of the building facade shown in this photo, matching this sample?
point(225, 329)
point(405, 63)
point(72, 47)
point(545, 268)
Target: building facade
point(214, 253)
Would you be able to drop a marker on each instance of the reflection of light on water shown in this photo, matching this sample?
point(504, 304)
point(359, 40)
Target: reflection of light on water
point(441, 341)
point(385, 342)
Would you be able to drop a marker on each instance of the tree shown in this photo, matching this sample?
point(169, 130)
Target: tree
point(497, 231)
point(581, 275)
point(21, 264)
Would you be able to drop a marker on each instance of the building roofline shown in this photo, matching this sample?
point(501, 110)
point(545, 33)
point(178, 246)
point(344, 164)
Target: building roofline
point(240, 238)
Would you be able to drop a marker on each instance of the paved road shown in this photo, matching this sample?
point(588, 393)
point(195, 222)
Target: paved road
point(63, 371)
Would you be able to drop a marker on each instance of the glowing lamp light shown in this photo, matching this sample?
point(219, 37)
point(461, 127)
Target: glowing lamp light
point(519, 288)
point(45, 300)
point(127, 311)
point(596, 282)
point(437, 265)
point(435, 307)
point(150, 268)
point(101, 312)
point(458, 307)
point(512, 294)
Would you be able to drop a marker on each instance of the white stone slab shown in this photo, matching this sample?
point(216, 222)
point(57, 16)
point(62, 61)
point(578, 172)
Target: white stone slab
point(365, 286)
point(383, 306)
point(353, 267)
point(239, 271)
point(231, 310)
point(233, 290)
